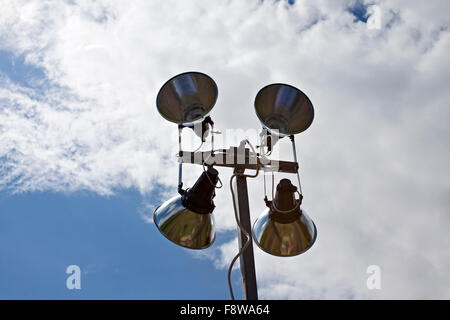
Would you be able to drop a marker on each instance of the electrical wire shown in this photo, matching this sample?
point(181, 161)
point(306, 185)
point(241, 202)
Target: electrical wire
point(241, 229)
point(207, 175)
point(201, 144)
point(257, 167)
point(297, 205)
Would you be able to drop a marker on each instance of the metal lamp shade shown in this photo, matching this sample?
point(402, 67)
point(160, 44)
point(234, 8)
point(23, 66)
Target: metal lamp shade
point(184, 227)
point(283, 109)
point(187, 98)
point(284, 239)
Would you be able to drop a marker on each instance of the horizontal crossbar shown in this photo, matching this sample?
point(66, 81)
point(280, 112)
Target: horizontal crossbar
point(238, 158)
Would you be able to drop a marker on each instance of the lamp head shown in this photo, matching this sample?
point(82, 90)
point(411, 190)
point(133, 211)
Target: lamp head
point(283, 109)
point(187, 219)
point(187, 98)
point(284, 229)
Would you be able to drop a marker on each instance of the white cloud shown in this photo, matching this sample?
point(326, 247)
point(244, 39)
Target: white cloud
point(374, 162)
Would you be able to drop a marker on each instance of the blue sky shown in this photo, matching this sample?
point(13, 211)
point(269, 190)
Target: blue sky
point(85, 156)
point(120, 256)
point(15, 68)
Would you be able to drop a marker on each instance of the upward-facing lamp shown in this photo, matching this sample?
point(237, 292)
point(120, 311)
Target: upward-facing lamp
point(187, 99)
point(283, 109)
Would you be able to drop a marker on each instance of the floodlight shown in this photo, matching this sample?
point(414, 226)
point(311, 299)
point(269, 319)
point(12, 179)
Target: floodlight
point(283, 109)
point(187, 98)
point(284, 229)
point(187, 219)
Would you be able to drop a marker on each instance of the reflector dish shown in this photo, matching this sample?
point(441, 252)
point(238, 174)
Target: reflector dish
point(187, 219)
point(284, 229)
point(187, 98)
point(183, 226)
point(284, 109)
point(284, 239)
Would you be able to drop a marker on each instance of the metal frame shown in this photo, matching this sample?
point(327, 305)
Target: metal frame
point(180, 93)
point(241, 159)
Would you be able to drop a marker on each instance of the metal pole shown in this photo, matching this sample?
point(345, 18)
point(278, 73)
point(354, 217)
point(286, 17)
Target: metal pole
point(247, 259)
point(294, 150)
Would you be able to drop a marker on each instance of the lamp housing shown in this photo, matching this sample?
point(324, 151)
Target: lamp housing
point(187, 218)
point(283, 229)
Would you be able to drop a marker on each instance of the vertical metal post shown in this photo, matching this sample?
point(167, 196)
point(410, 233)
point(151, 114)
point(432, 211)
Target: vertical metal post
point(247, 259)
point(294, 150)
point(180, 165)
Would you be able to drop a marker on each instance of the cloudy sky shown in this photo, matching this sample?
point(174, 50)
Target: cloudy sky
point(85, 157)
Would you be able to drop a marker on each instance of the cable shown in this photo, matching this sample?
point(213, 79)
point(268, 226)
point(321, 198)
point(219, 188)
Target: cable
point(201, 144)
point(297, 205)
point(207, 175)
point(257, 167)
point(238, 222)
point(241, 229)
